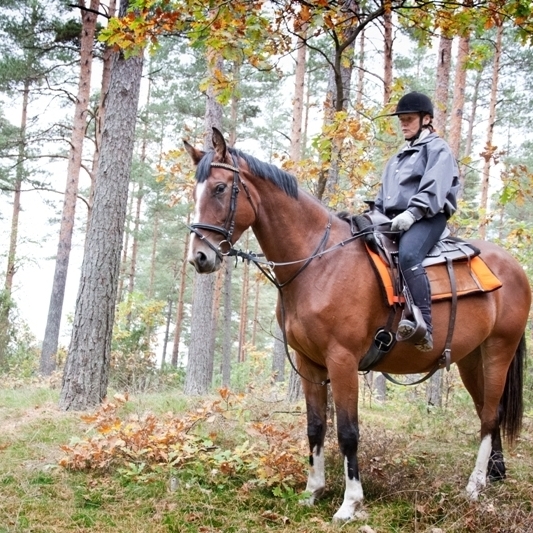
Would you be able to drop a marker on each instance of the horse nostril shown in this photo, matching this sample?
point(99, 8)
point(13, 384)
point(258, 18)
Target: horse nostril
point(201, 258)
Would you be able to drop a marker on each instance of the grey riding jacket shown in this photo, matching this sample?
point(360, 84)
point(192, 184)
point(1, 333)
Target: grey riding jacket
point(422, 178)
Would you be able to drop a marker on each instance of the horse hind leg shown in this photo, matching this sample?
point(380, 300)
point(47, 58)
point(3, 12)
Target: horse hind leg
point(489, 463)
point(502, 405)
point(496, 466)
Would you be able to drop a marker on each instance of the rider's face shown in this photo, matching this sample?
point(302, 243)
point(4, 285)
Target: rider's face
point(410, 124)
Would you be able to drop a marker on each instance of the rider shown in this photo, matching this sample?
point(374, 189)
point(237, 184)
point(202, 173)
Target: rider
point(419, 193)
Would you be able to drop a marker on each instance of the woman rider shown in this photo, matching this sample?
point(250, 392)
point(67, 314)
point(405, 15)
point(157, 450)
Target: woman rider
point(419, 193)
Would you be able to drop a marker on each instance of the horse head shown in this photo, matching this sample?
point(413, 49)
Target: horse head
point(219, 219)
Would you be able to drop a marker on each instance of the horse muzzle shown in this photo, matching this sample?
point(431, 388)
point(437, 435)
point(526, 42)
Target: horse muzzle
point(204, 261)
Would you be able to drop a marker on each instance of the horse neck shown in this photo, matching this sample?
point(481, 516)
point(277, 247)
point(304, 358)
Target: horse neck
point(289, 229)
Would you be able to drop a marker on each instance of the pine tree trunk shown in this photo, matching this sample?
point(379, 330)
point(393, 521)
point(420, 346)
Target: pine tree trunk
point(278, 355)
point(125, 248)
point(135, 242)
point(198, 379)
point(13, 238)
point(387, 52)
point(244, 307)
point(488, 152)
point(361, 71)
point(434, 385)
point(100, 111)
point(444, 61)
point(434, 389)
point(86, 374)
point(226, 338)
point(380, 387)
point(53, 323)
point(257, 299)
point(337, 98)
point(167, 332)
point(153, 255)
point(294, 391)
point(456, 118)
point(298, 101)
point(181, 301)
point(5, 300)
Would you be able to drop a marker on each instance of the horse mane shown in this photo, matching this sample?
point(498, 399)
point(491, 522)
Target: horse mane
point(283, 180)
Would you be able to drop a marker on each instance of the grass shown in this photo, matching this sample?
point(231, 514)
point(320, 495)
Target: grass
point(414, 467)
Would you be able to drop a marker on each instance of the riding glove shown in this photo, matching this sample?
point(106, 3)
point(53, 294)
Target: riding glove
point(403, 221)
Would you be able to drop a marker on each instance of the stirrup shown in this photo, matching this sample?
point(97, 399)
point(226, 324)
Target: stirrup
point(412, 330)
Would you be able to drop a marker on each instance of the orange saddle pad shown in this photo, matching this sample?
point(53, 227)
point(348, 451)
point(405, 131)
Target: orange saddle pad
point(470, 277)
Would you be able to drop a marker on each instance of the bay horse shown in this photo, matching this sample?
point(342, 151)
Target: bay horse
point(332, 307)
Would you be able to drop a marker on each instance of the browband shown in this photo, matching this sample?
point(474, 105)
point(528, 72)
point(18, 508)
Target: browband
point(226, 166)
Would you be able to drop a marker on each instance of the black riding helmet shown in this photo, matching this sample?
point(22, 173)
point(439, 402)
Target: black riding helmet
point(419, 103)
point(414, 102)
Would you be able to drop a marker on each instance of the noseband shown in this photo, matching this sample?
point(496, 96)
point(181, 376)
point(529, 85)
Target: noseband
point(229, 224)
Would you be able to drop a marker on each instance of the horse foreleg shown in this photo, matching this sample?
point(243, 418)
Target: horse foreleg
point(345, 392)
point(316, 404)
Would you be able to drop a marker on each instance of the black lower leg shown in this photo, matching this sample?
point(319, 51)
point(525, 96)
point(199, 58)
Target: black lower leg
point(496, 466)
point(417, 281)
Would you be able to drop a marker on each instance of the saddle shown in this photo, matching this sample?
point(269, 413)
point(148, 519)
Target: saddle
point(454, 269)
point(471, 273)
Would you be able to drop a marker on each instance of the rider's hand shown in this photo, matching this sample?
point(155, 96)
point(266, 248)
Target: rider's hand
point(403, 221)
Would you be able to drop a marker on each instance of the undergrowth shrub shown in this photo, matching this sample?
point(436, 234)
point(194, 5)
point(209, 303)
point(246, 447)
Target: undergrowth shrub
point(193, 445)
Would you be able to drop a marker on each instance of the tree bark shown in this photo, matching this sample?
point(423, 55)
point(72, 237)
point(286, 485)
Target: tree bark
point(244, 306)
point(361, 71)
point(337, 98)
point(456, 118)
point(100, 111)
point(488, 152)
point(444, 61)
point(167, 332)
point(226, 338)
point(86, 374)
point(5, 300)
point(298, 101)
point(295, 389)
point(278, 356)
point(53, 323)
point(125, 247)
point(181, 301)
point(197, 379)
point(13, 237)
point(387, 52)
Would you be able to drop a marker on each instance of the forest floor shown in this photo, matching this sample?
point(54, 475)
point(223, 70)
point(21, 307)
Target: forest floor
point(237, 464)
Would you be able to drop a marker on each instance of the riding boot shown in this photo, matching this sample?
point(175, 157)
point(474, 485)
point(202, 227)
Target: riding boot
point(418, 284)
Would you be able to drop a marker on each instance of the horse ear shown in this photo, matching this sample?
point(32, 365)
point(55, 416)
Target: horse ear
point(219, 144)
point(195, 154)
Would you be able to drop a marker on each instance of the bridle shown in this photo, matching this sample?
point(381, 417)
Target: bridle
point(226, 245)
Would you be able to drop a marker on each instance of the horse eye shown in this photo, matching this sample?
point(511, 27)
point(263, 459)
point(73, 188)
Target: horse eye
point(220, 188)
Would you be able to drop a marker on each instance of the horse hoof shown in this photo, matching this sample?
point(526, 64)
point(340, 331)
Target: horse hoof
point(309, 499)
point(474, 488)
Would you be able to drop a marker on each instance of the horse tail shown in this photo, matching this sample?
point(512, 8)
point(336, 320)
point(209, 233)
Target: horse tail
point(511, 403)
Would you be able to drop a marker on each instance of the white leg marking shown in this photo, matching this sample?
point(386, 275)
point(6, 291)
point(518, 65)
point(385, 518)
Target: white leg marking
point(353, 497)
point(478, 478)
point(316, 479)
